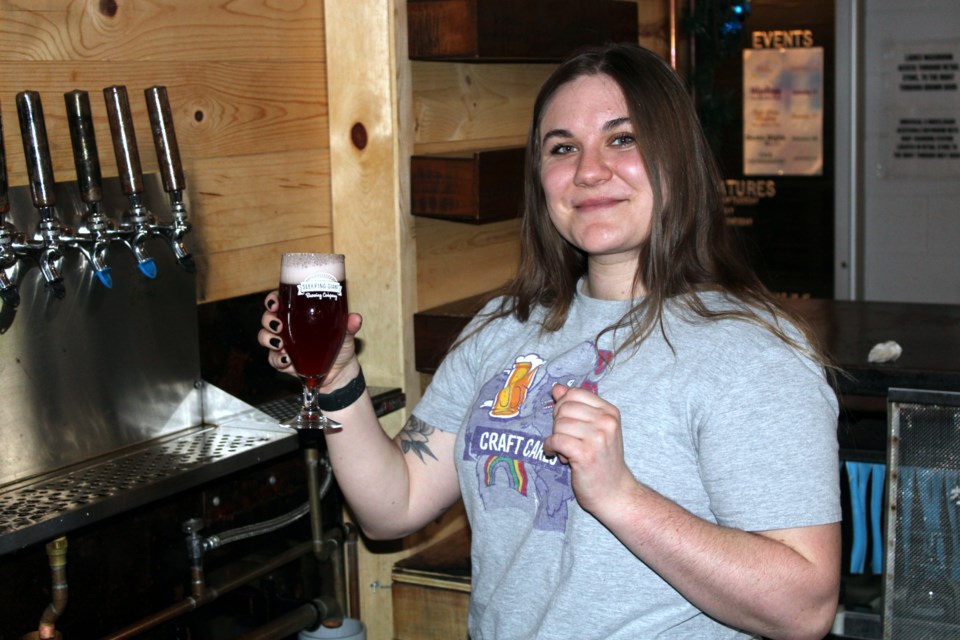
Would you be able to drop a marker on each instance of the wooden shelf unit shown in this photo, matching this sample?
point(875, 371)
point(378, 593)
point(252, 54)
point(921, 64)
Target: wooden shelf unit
point(475, 187)
point(528, 31)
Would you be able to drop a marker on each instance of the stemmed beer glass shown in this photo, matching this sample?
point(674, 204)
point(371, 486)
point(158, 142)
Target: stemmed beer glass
point(313, 310)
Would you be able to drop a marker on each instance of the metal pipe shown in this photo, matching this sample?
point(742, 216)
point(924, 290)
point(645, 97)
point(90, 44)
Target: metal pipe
point(212, 593)
point(329, 546)
point(250, 531)
point(352, 564)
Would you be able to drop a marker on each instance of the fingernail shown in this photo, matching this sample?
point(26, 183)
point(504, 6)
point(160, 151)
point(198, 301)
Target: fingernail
point(274, 325)
point(275, 343)
point(271, 303)
point(284, 360)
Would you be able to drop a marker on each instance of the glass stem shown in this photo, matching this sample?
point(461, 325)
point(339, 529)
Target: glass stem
point(310, 399)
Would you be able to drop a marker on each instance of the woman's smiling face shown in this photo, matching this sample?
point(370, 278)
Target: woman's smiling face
point(593, 176)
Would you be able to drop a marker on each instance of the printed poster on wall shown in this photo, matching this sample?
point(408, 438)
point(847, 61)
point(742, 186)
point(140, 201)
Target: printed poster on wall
point(783, 112)
point(921, 101)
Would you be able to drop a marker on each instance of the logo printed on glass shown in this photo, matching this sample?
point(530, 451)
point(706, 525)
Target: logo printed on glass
point(320, 285)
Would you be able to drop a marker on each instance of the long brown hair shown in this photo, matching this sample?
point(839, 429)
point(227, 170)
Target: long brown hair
point(690, 248)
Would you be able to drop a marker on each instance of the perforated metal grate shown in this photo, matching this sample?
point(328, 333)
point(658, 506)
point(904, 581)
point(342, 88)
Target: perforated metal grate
point(922, 573)
point(42, 508)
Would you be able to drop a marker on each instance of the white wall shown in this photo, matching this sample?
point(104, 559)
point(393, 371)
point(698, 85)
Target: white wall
point(902, 240)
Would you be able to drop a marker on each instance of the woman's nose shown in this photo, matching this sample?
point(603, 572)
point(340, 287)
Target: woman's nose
point(592, 167)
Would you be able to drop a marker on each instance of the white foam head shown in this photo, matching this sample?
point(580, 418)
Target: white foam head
point(296, 267)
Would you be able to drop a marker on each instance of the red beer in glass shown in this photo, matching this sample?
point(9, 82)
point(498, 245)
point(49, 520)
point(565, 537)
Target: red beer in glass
point(313, 311)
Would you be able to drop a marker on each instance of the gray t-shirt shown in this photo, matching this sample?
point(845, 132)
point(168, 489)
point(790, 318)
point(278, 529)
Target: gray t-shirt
point(725, 419)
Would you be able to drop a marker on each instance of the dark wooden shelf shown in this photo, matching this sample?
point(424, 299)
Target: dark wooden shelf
point(525, 31)
point(475, 187)
point(434, 330)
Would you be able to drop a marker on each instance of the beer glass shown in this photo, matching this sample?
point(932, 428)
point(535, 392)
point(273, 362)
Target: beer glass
point(313, 310)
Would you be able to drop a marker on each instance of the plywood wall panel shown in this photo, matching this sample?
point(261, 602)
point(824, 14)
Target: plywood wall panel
point(234, 273)
point(219, 109)
point(473, 105)
point(167, 30)
point(254, 200)
point(457, 260)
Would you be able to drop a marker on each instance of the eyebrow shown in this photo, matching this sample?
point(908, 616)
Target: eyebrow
point(609, 125)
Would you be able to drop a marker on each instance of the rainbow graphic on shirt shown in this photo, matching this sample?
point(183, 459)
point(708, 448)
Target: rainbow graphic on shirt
point(514, 470)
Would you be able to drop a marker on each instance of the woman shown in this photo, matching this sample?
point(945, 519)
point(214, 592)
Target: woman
point(644, 441)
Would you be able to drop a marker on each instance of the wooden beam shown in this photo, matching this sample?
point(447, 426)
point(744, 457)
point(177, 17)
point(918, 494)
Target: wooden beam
point(369, 94)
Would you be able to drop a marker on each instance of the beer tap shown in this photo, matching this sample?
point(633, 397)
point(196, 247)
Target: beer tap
point(10, 238)
point(171, 171)
point(46, 245)
point(137, 221)
point(93, 234)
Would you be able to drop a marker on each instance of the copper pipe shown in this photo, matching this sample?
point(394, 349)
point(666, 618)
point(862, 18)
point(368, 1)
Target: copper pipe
point(57, 553)
point(211, 593)
point(308, 616)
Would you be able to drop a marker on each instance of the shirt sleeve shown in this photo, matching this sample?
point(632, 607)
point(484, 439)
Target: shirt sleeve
point(767, 437)
point(447, 400)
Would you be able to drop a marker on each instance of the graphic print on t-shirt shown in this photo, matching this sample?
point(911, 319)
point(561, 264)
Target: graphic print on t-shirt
point(507, 427)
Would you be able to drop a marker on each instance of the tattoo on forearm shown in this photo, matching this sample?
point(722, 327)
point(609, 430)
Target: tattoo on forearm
point(414, 437)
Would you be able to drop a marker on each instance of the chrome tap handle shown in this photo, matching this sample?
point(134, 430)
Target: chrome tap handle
point(93, 238)
point(85, 156)
point(36, 151)
point(165, 139)
point(124, 139)
point(171, 171)
point(138, 222)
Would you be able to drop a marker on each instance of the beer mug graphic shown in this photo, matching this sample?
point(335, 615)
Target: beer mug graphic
point(510, 398)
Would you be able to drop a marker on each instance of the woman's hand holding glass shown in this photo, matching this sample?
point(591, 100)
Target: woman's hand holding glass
point(345, 367)
point(309, 319)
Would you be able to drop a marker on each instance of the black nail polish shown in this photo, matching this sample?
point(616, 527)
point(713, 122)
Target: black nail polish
point(284, 360)
point(275, 343)
point(271, 304)
point(274, 325)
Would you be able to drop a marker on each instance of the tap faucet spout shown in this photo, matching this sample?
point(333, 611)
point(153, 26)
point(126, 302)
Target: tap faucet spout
point(93, 236)
point(137, 221)
point(171, 172)
point(46, 246)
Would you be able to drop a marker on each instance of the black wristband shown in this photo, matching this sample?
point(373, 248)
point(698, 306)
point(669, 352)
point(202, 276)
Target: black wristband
point(344, 396)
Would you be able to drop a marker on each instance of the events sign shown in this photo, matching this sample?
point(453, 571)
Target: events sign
point(783, 112)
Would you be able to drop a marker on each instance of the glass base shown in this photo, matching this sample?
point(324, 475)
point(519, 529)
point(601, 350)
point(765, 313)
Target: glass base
point(311, 420)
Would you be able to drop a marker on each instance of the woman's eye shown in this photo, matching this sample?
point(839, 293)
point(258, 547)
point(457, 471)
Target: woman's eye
point(623, 139)
point(561, 149)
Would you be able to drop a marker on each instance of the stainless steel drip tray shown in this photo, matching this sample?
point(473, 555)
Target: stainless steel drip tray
point(42, 508)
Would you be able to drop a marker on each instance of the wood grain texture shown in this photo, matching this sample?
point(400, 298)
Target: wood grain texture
point(483, 187)
point(161, 30)
point(457, 261)
point(369, 150)
point(530, 31)
point(429, 613)
point(470, 103)
point(219, 109)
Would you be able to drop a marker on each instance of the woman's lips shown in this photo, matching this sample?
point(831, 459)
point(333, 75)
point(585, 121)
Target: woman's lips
point(592, 204)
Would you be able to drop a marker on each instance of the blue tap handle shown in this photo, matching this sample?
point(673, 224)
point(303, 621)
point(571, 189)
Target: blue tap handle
point(103, 275)
point(148, 268)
